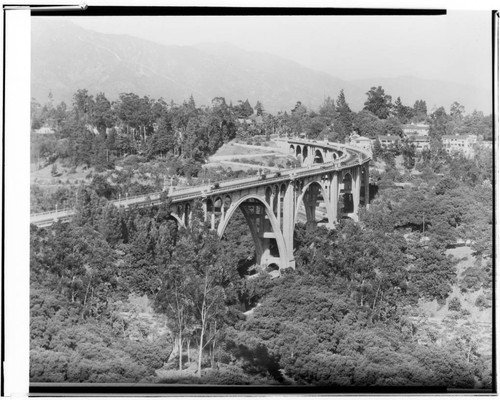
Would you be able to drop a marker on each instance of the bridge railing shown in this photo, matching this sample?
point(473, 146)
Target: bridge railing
point(62, 210)
point(336, 146)
point(187, 192)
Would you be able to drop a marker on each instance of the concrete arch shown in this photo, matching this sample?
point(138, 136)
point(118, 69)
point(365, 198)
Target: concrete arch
point(305, 152)
point(347, 178)
point(210, 205)
point(180, 222)
point(301, 198)
point(292, 149)
point(218, 203)
point(269, 193)
point(227, 202)
point(347, 172)
point(318, 157)
point(272, 267)
point(298, 151)
point(280, 240)
point(276, 193)
point(187, 214)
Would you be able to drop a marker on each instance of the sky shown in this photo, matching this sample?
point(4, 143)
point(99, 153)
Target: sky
point(455, 47)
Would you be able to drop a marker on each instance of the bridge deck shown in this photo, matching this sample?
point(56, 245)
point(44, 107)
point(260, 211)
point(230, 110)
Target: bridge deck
point(352, 157)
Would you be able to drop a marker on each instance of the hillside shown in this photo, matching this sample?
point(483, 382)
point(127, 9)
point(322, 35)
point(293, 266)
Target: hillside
point(66, 57)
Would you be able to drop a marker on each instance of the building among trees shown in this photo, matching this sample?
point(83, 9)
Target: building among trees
point(387, 141)
point(460, 144)
point(420, 142)
point(415, 129)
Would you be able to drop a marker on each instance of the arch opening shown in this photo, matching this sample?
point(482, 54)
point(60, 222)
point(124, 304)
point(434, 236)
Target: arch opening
point(264, 229)
point(275, 199)
point(298, 151)
point(362, 199)
point(346, 201)
point(217, 205)
point(227, 202)
point(346, 185)
point(312, 204)
point(318, 157)
point(282, 193)
point(272, 268)
point(238, 241)
point(187, 214)
point(210, 205)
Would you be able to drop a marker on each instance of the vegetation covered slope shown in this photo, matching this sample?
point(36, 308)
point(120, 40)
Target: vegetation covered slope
point(348, 314)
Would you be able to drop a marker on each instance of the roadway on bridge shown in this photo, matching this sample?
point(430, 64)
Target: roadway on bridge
point(351, 156)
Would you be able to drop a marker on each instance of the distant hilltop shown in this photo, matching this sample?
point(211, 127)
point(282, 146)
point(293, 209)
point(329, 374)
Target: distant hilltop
point(66, 57)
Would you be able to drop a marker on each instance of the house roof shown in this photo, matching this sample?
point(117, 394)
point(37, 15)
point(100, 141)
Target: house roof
point(415, 126)
point(392, 137)
point(461, 137)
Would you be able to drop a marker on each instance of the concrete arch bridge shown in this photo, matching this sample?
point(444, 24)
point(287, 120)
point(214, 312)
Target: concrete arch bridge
point(331, 175)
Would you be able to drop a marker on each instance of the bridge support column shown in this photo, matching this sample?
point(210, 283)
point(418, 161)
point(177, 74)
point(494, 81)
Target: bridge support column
point(205, 210)
point(289, 223)
point(278, 211)
point(334, 199)
point(367, 186)
point(356, 191)
point(310, 200)
point(253, 216)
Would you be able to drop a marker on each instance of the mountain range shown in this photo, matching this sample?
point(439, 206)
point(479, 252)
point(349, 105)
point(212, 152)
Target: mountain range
point(66, 57)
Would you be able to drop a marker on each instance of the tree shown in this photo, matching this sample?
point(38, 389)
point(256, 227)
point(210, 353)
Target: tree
point(377, 149)
point(243, 109)
point(409, 153)
point(438, 125)
point(478, 124)
point(456, 119)
point(328, 109)
point(297, 120)
point(102, 116)
point(195, 285)
point(259, 108)
point(83, 104)
point(420, 110)
point(365, 123)
point(378, 102)
point(403, 113)
point(344, 120)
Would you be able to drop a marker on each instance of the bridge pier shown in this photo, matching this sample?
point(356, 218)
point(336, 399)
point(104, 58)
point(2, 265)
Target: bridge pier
point(367, 185)
point(334, 199)
point(356, 191)
point(289, 223)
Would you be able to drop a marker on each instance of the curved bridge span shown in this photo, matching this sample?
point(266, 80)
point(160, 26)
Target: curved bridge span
point(333, 176)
